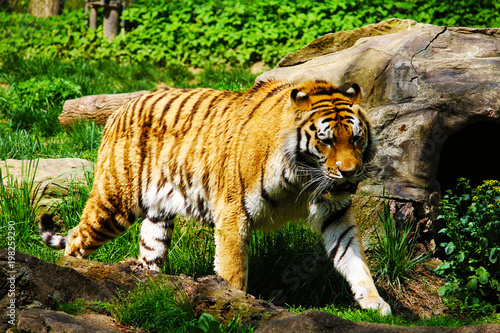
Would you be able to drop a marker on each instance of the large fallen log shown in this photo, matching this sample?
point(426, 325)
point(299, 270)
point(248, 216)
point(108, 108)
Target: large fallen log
point(95, 107)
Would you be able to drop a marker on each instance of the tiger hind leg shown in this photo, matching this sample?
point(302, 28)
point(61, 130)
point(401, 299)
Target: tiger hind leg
point(103, 219)
point(155, 239)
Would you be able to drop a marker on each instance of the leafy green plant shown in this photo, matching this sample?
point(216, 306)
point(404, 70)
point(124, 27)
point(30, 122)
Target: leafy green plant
point(223, 32)
point(472, 270)
point(394, 249)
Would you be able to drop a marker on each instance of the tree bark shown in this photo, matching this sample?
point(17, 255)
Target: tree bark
point(44, 8)
point(111, 22)
point(95, 107)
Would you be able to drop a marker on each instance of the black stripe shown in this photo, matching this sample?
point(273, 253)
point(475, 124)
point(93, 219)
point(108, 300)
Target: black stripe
point(201, 207)
point(322, 90)
point(286, 180)
point(165, 241)
point(245, 209)
point(348, 110)
point(158, 261)
point(143, 244)
point(166, 108)
point(263, 192)
point(131, 219)
point(92, 248)
point(196, 105)
point(306, 120)
point(327, 120)
point(105, 224)
point(209, 109)
point(143, 140)
point(243, 203)
point(273, 91)
point(181, 106)
point(191, 151)
point(163, 126)
point(346, 248)
point(334, 251)
point(308, 138)
point(162, 218)
point(299, 138)
point(334, 217)
point(100, 236)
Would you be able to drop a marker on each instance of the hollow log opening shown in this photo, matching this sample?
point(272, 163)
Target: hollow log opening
point(470, 153)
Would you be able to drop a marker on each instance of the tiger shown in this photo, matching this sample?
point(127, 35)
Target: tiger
point(240, 161)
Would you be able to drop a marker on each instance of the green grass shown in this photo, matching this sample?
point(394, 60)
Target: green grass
point(33, 91)
point(290, 267)
point(370, 316)
point(18, 205)
point(155, 306)
point(394, 249)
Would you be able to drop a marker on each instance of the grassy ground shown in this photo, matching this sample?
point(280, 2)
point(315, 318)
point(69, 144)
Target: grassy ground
point(288, 267)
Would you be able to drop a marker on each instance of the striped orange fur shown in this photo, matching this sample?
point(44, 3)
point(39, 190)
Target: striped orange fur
point(238, 160)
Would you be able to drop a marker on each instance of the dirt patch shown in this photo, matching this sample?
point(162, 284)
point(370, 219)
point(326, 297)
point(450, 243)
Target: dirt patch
point(416, 296)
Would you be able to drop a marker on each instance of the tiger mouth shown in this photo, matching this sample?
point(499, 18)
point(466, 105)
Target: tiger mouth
point(343, 187)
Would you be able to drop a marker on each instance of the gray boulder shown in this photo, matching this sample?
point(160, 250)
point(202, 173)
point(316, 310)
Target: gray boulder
point(51, 177)
point(433, 97)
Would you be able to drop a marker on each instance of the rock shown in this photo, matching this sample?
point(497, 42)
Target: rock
point(39, 284)
point(214, 295)
point(46, 285)
point(425, 87)
point(120, 277)
point(38, 320)
point(258, 68)
point(321, 322)
point(334, 42)
point(52, 179)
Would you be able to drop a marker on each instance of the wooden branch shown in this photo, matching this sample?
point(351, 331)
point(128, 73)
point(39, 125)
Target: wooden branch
point(95, 107)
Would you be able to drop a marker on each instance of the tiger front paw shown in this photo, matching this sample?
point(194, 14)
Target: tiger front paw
point(375, 303)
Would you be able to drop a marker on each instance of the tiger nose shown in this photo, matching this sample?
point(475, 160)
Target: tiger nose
point(346, 170)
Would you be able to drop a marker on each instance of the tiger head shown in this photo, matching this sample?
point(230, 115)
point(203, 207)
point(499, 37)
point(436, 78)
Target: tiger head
point(334, 141)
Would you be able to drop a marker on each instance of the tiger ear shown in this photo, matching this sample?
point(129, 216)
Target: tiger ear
point(354, 92)
point(300, 100)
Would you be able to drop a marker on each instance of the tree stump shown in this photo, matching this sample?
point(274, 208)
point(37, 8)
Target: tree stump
point(44, 8)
